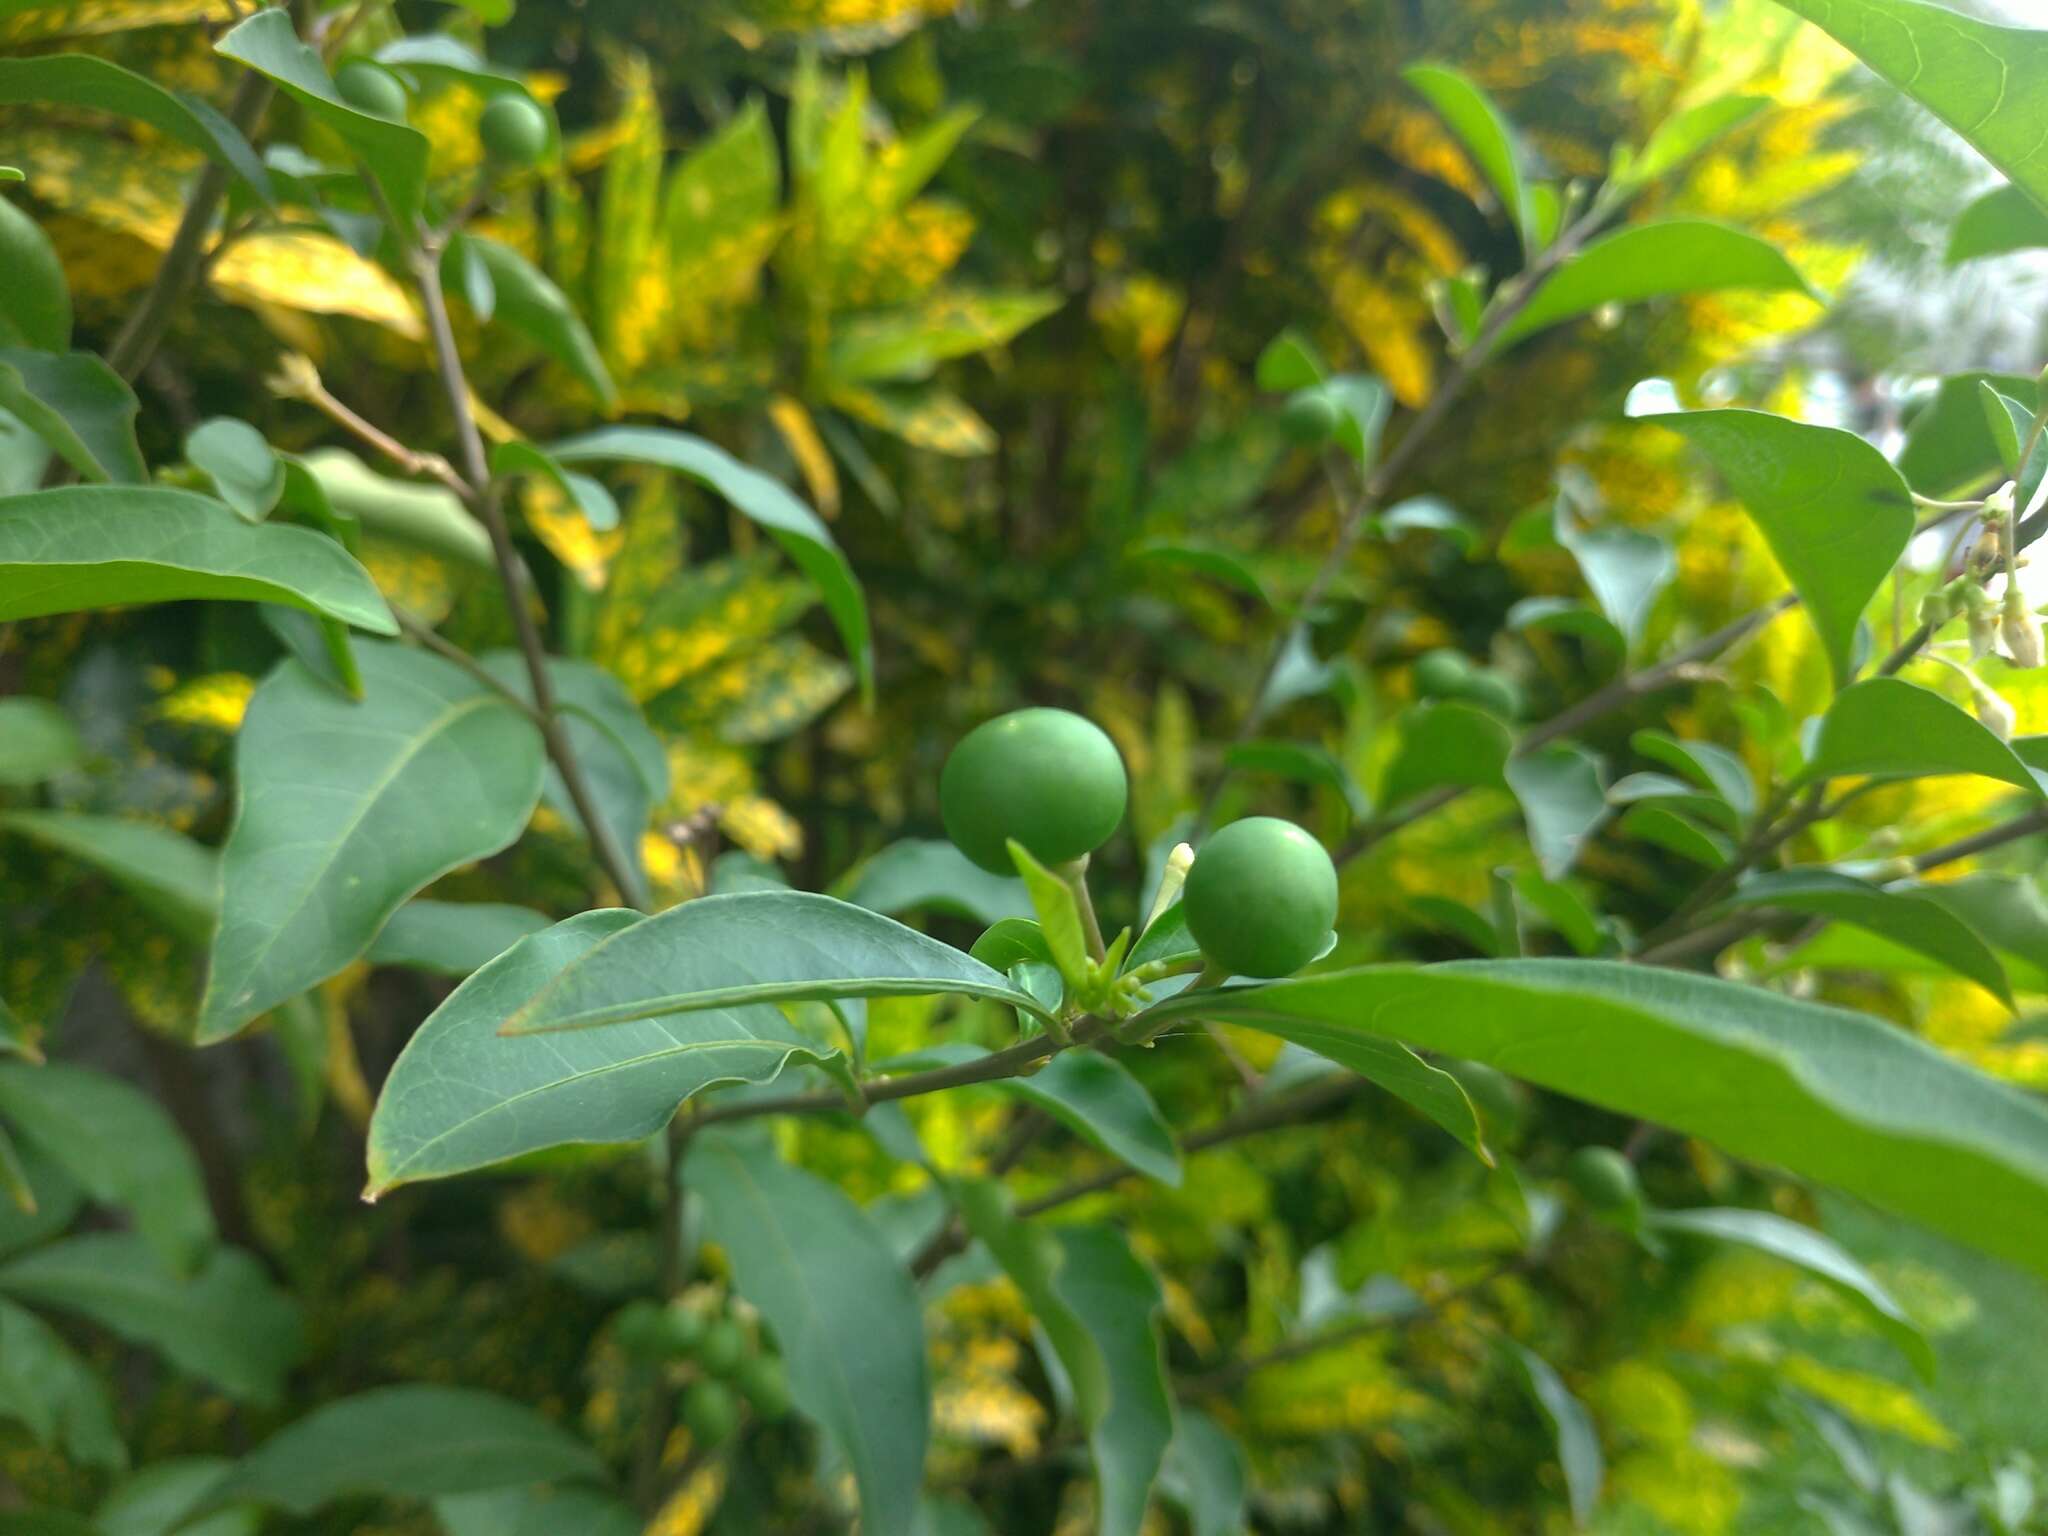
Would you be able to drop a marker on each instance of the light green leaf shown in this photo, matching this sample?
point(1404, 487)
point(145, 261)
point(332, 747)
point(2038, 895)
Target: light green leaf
point(416, 1442)
point(122, 1149)
point(527, 300)
point(1684, 134)
point(753, 947)
point(1835, 514)
point(421, 516)
point(1626, 569)
point(345, 810)
point(1166, 938)
point(37, 742)
point(35, 305)
point(79, 406)
point(1031, 1256)
point(246, 471)
point(1988, 83)
point(1674, 794)
point(1824, 1092)
point(1578, 1443)
point(768, 502)
point(1815, 1252)
point(1059, 918)
point(1363, 405)
point(929, 874)
point(842, 1306)
point(2003, 220)
point(461, 1096)
point(1894, 729)
point(47, 1388)
point(1290, 362)
point(537, 1511)
point(909, 344)
point(107, 546)
point(1205, 1474)
point(1117, 1299)
point(1485, 132)
point(1906, 917)
point(174, 877)
point(1653, 261)
point(1012, 941)
point(226, 1323)
point(1446, 744)
point(1563, 802)
point(452, 938)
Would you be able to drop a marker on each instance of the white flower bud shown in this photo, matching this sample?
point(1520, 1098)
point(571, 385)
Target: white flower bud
point(1178, 863)
point(2019, 629)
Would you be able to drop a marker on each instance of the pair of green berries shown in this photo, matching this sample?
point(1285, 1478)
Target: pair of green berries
point(513, 127)
point(1448, 675)
point(1259, 899)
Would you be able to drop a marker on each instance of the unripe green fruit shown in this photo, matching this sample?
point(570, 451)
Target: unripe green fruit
point(1442, 675)
point(371, 88)
point(514, 130)
point(1605, 1179)
point(640, 1329)
point(723, 1347)
point(682, 1329)
point(1493, 693)
point(1046, 777)
point(1310, 417)
point(710, 1411)
point(766, 1385)
point(1261, 897)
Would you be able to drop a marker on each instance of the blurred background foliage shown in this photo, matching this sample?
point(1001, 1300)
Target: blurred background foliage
point(987, 281)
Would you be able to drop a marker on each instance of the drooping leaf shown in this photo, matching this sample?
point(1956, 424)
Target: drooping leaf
point(527, 301)
point(227, 1322)
point(35, 306)
point(417, 1441)
point(519, 457)
point(1656, 822)
point(460, 1096)
point(2003, 220)
point(37, 741)
point(842, 1306)
point(422, 517)
point(1446, 744)
point(346, 810)
point(1578, 1443)
point(1205, 1474)
point(79, 406)
point(1031, 1256)
point(1824, 1092)
point(88, 546)
point(1563, 801)
point(319, 644)
point(1835, 514)
point(246, 471)
point(1891, 728)
point(452, 938)
point(47, 1388)
point(1674, 794)
point(1485, 132)
point(167, 872)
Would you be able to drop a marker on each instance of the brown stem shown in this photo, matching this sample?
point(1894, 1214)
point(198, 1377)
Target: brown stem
point(1010, 1062)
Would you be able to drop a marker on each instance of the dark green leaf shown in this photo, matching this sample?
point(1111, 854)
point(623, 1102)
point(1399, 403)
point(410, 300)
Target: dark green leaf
point(930, 874)
point(1446, 744)
point(246, 471)
point(35, 305)
point(452, 938)
point(527, 300)
point(537, 1511)
point(1214, 562)
point(1948, 448)
point(1578, 1443)
point(319, 644)
point(79, 406)
point(1713, 767)
point(1563, 802)
point(37, 742)
point(1304, 764)
point(1031, 1256)
point(2003, 220)
point(1673, 794)
point(1657, 823)
point(1894, 729)
point(162, 1497)
point(1289, 362)
point(1012, 941)
point(47, 1388)
point(166, 871)
point(1625, 567)
point(1166, 938)
point(1117, 1300)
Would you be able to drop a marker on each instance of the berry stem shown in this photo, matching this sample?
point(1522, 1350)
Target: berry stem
point(1075, 874)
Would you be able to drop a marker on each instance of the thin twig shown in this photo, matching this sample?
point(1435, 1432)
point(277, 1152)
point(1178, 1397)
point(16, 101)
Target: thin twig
point(1013, 1061)
point(303, 381)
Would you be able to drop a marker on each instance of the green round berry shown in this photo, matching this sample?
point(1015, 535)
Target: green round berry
point(1261, 897)
point(370, 87)
point(514, 129)
point(1046, 777)
point(1495, 694)
point(1309, 417)
point(766, 1385)
point(1442, 674)
point(640, 1329)
point(711, 1411)
point(1604, 1178)
point(682, 1328)
point(723, 1347)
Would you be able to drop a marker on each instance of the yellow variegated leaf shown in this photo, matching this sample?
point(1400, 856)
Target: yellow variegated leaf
point(702, 772)
point(86, 18)
point(629, 289)
point(559, 524)
point(759, 695)
point(216, 700)
point(761, 827)
point(1395, 329)
point(411, 578)
point(799, 435)
point(924, 418)
point(909, 343)
point(690, 1508)
point(905, 256)
point(313, 272)
point(891, 16)
point(698, 621)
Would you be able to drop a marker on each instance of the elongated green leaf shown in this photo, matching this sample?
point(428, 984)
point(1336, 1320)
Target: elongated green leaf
point(1166, 938)
point(345, 810)
point(1223, 565)
point(1896, 729)
point(1446, 744)
point(1031, 1256)
point(1814, 1252)
point(2003, 220)
point(453, 938)
point(1655, 822)
point(1485, 132)
point(80, 80)
point(1684, 134)
point(1653, 261)
point(1578, 1443)
point(1563, 802)
point(108, 546)
point(768, 502)
point(394, 153)
point(121, 1148)
point(460, 1096)
point(1822, 1091)
point(419, 1442)
point(843, 1309)
point(753, 947)
point(1835, 514)
point(520, 457)
point(35, 305)
point(79, 406)
point(1905, 917)
point(166, 871)
point(1117, 1299)
point(1205, 1474)
point(931, 875)
point(1706, 764)
point(421, 516)
point(537, 1511)
point(1989, 83)
point(227, 1322)
point(47, 1388)
point(527, 301)
point(37, 741)
point(1673, 794)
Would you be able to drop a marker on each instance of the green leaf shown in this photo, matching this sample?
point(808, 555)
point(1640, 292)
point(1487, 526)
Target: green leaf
point(768, 502)
point(80, 80)
point(842, 1306)
point(174, 877)
point(537, 1511)
point(1216, 563)
point(588, 496)
point(1684, 134)
point(910, 343)
point(1905, 917)
point(1948, 448)
point(1814, 1252)
point(1835, 514)
point(79, 406)
point(58, 1200)
point(1059, 919)
point(1446, 744)
point(120, 1146)
point(753, 947)
point(1205, 1474)
point(1363, 405)
point(929, 874)
point(1625, 567)
point(393, 152)
point(421, 516)
point(1289, 362)
point(54, 1394)
point(1166, 938)
point(37, 742)
point(246, 471)
point(1710, 766)
point(527, 301)
point(319, 644)
point(1894, 729)
point(346, 810)
point(1012, 941)
point(35, 306)
point(1483, 130)
point(1031, 1256)
point(1674, 794)
point(452, 938)
point(1988, 83)
point(460, 1096)
point(106, 546)
point(1578, 1443)
point(226, 1323)
point(162, 1497)
point(1304, 763)
point(1117, 1299)
point(2003, 220)
point(1654, 822)
point(1563, 802)
point(1653, 261)
point(414, 1442)
point(1824, 1092)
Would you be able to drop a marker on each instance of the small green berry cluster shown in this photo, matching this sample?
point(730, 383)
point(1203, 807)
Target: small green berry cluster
point(514, 128)
point(730, 1370)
